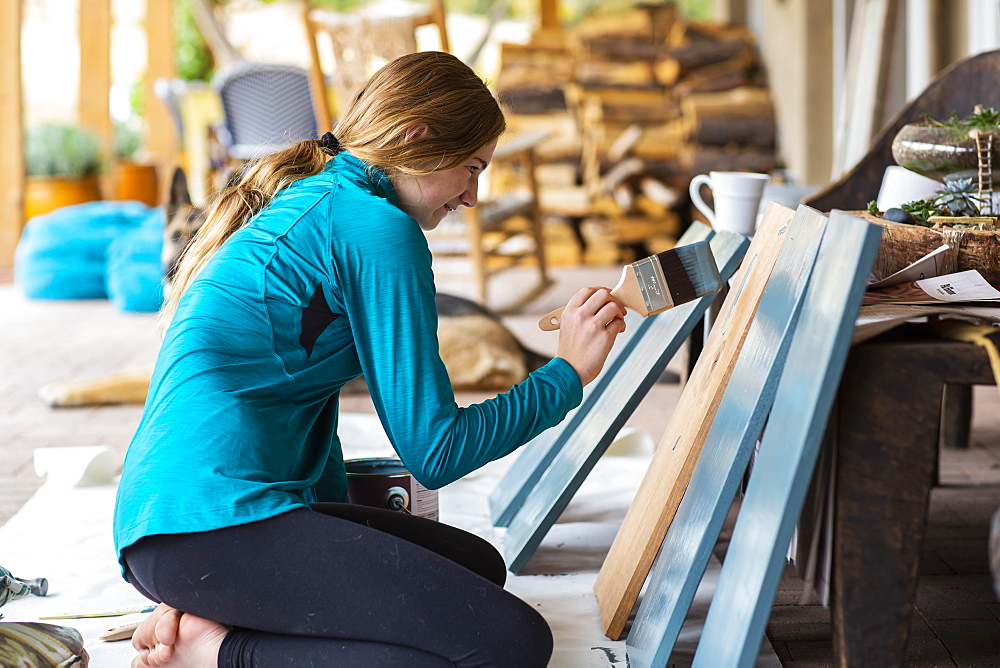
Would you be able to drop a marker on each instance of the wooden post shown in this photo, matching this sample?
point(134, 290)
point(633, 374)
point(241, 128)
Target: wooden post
point(161, 139)
point(95, 79)
point(11, 132)
point(548, 15)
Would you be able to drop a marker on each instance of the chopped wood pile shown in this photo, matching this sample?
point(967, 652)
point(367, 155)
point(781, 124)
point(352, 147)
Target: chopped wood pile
point(654, 100)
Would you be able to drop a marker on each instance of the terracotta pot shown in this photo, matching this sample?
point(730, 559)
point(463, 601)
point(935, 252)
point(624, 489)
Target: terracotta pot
point(45, 193)
point(134, 181)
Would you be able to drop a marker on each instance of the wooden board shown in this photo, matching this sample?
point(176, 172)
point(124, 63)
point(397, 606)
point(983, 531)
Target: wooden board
point(639, 370)
point(536, 456)
point(784, 465)
point(656, 500)
point(742, 412)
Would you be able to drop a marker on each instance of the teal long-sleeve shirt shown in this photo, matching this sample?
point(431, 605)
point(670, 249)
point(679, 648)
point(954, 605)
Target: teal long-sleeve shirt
point(329, 281)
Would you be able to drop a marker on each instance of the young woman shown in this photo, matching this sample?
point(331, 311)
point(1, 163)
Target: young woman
point(312, 270)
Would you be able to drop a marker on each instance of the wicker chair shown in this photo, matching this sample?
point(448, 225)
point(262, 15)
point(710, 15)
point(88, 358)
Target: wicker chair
point(266, 107)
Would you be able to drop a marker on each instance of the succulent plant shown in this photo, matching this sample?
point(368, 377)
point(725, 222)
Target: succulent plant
point(959, 197)
point(921, 210)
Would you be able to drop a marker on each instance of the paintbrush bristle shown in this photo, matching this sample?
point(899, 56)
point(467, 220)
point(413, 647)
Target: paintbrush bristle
point(690, 272)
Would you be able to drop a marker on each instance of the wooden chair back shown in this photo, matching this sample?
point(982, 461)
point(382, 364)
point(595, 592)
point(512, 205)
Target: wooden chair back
point(359, 44)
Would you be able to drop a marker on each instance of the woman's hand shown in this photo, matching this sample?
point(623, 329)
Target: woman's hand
point(587, 331)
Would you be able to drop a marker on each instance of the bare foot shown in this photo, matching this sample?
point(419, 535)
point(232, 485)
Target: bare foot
point(169, 637)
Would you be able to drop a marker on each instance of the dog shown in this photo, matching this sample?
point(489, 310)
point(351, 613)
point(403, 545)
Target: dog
point(478, 350)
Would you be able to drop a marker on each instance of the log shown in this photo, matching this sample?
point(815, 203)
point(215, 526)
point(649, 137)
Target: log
point(621, 171)
point(628, 104)
point(639, 73)
point(662, 17)
point(903, 244)
point(735, 129)
point(733, 73)
point(624, 143)
point(634, 22)
point(533, 99)
point(743, 116)
point(699, 54)
point(756, 97)
point(659, 192)
point(623, 48)
point(685, 32)
point(662, 142)
point(702, 159)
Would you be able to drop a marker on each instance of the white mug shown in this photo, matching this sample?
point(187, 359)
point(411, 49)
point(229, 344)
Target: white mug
point(737, 199)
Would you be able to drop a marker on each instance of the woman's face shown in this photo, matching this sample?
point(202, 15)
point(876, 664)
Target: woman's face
point(428, 198)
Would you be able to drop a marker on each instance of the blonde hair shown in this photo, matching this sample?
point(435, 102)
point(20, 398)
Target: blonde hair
point(431, 88)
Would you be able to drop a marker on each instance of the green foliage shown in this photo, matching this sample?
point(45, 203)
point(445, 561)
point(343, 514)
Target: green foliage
point(61, 149)
point(128, 140)
point(958, 197)
point(986, 119)
point(192, 57)
point(873, 208)
point(921, 210)
point(137, 96)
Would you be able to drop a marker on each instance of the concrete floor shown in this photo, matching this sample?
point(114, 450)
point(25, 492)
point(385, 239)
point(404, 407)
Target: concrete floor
point(957, 618)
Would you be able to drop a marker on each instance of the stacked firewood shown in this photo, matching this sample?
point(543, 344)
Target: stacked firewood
point(655, 100)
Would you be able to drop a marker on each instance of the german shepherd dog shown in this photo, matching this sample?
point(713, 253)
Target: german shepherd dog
point(478, 350)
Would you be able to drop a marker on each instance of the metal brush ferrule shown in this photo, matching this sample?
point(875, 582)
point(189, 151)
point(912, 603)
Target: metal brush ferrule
point(652, 284)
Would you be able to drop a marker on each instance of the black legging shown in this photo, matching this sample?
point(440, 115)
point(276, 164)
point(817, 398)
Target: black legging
point(345, 585)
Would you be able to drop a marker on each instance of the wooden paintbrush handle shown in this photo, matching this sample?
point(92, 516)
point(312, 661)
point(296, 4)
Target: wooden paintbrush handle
point(626, 293)
point(550, 322)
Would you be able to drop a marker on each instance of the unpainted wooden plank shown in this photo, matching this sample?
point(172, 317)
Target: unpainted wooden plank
point(656, 500)
point(790, 445)
point(743, 409)
point(536, 456)
point(597, 429)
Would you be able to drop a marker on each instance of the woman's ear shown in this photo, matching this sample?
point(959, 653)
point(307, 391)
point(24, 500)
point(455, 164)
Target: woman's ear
point(417, 131)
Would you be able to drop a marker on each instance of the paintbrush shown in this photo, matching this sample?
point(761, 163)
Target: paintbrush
point(662, 281)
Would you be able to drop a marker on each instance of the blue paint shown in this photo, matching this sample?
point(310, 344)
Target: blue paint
point(742, 412)
point(535, 457)
point(637, 373)
point(755, 559)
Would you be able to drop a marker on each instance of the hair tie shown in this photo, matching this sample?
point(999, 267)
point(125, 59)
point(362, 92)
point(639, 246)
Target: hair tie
point(329, 144)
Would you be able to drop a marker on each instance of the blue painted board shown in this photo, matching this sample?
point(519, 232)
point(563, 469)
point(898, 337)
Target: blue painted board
point(536, 456)
point(639, 370)
point(784, 465)
point(744, 406)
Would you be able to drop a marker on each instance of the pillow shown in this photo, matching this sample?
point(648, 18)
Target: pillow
point(36, 645)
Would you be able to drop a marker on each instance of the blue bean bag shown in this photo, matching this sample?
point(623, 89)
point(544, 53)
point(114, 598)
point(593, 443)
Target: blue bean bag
point(134, 270)
point(64, 254)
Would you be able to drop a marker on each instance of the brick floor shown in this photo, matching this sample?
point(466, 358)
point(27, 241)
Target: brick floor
point(957, 620)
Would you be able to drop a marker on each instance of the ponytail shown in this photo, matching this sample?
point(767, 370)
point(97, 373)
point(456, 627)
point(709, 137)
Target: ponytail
point(235, 205)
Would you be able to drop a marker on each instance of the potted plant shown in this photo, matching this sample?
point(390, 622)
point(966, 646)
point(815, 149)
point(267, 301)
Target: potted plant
point(62, 162)
point(134, 179)
point(946, 150)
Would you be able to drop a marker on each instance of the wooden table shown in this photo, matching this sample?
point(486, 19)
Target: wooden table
point(887, 419)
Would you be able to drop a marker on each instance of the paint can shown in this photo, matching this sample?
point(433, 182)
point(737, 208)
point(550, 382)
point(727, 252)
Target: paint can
point(384, 482)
